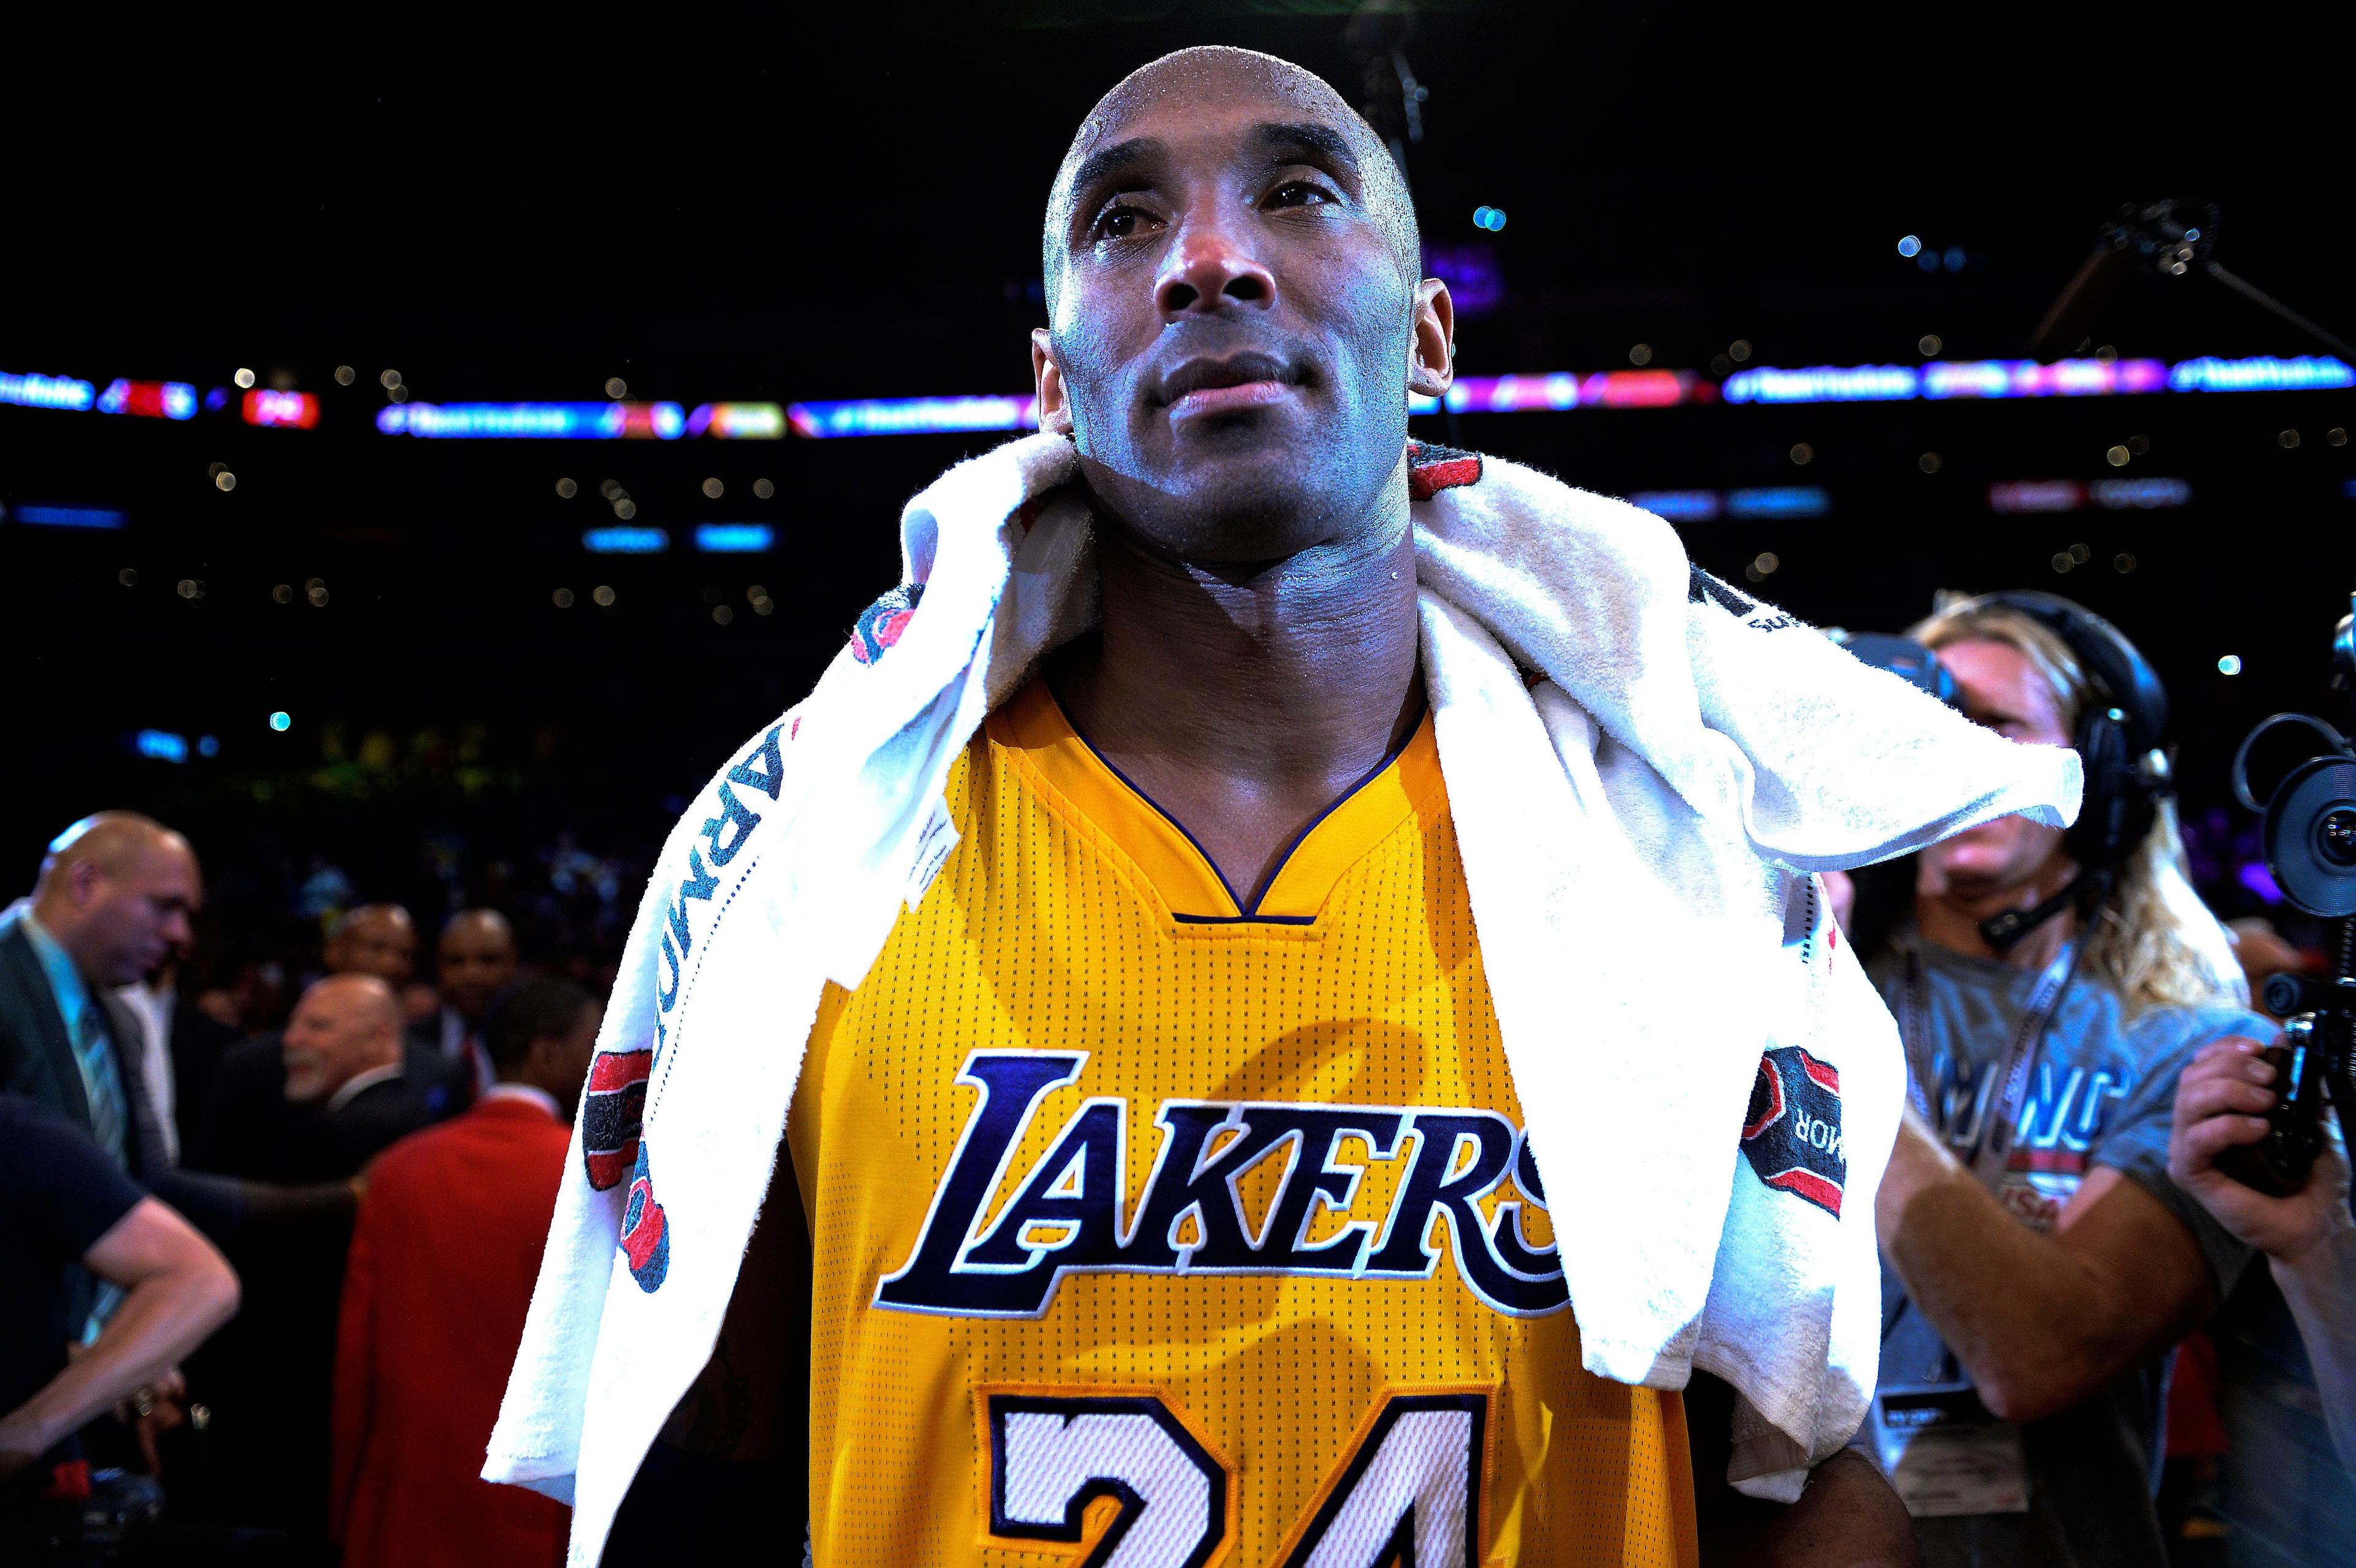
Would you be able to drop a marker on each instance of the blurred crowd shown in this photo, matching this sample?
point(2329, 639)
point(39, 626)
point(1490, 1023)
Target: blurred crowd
point(272, 1264)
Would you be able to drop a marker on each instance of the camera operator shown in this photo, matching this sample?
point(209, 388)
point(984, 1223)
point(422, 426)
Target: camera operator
point(69, 1203)
point(2287, 1341)
point(2043, 1260)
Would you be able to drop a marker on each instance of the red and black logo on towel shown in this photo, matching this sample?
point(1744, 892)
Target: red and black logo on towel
point(646, 1229)
point(881, 624)
point(611, 1114)
point(1431, 469)
point(1792, 1133)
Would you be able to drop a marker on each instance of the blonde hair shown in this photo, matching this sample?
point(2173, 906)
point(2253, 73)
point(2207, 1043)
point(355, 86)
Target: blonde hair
point(2153, 940)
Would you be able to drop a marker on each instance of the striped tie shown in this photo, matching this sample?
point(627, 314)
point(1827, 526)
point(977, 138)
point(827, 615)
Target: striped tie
point(102, 1081)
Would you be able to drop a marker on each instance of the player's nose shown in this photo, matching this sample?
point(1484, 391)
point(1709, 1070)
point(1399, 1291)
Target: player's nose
point(1211, 268)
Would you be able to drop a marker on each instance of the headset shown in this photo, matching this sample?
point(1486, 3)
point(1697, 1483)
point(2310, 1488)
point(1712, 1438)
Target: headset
point(2121, 739)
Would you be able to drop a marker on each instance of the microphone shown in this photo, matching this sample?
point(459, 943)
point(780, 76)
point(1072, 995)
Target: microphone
point(2171, 238)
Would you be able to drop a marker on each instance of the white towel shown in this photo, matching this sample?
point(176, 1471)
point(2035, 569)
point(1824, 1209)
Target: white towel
point(1643, 768)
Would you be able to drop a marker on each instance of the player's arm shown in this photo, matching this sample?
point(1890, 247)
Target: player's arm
point(2041, 1321)
point(1848, 1516)
point(732, 1464)
point(180, 1290)
point(752, 1399)
point(2307, 1237)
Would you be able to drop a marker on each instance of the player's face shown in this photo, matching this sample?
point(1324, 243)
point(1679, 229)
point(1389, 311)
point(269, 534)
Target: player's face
point(1233, 342)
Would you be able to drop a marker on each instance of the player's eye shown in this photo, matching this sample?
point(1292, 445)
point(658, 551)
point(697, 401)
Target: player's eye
point(1298, 193)
point(1120, 220)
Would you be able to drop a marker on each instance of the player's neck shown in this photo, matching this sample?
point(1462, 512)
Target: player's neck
point(1245, 701)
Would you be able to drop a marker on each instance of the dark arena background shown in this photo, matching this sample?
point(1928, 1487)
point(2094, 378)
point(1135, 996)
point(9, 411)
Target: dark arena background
point(425, 451)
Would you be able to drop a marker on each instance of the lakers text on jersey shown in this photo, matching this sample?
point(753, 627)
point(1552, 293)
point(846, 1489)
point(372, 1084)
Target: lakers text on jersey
point(1154, 1231)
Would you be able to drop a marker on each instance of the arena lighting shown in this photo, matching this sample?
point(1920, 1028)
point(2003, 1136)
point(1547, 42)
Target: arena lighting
point(534, 422)
point(1560, 390)
point(1760, 501)
point(910, 416)
point(2141, 494)
point(281, 411)
point(47, 392)
point(1679, 505)
point(626, 540)
point(734, 539)
point(1778, 501)
point(1823, 384)
point(2037, 496)
point(71, 517)
point(149, 400)
point(162, 745)
point(1540, 391)
point(2261, 374)
point(738, 422)
point(2028, 378)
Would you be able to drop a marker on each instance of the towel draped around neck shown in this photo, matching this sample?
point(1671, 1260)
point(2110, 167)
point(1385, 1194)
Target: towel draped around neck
point(1644, 769)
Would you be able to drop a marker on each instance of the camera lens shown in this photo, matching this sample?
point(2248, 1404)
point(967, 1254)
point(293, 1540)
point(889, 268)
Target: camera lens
point(2337, 837)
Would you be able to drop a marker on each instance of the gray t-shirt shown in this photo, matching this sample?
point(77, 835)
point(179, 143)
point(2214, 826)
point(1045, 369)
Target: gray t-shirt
point(2285, 1500)
point(2095, 1081)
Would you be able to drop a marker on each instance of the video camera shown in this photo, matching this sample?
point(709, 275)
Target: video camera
point(2311, 849)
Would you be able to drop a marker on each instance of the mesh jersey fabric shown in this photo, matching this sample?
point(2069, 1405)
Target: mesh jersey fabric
point(1025, 1348)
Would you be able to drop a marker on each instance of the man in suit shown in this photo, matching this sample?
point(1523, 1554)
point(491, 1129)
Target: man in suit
point(115, 896)
point(473, 961)
point(318, 1100)
point(314, 1105)
point(440, 1277)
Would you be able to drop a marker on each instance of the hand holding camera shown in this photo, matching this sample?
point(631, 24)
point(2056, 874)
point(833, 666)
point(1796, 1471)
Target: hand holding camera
point(2225, 1104)
point(2255, 1113)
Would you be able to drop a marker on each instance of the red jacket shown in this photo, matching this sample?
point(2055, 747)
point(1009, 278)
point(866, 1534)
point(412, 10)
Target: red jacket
point(442, 1261)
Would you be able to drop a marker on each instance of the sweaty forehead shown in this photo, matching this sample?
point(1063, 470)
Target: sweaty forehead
point(1208, 78)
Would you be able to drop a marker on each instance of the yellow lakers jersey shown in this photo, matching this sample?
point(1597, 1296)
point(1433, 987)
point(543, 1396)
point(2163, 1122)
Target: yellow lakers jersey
point(1150, 1230)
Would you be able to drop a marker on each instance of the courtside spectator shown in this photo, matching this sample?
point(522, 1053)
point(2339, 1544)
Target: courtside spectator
point(313, 1106)
point(440, 1277)
point(472, 963)
point(338, 1088)
point(374, 939)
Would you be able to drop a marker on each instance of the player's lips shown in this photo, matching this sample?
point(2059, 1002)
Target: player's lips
point(1201, 388)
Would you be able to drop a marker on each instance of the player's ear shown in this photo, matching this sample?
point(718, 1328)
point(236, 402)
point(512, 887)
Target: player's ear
point(1047, 378)
point(1431, 354)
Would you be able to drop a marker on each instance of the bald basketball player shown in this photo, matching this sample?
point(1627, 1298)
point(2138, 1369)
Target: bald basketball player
point(1219, 820)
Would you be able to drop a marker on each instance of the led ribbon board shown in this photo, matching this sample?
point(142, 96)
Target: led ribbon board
point(1938, 380)
point(534, 422)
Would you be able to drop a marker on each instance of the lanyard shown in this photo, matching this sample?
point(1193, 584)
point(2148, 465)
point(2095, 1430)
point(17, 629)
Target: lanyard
point(1987, 1140)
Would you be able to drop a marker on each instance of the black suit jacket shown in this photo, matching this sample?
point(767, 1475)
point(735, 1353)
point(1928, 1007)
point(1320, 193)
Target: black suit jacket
point(36, 1059)
point(250, 1130)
